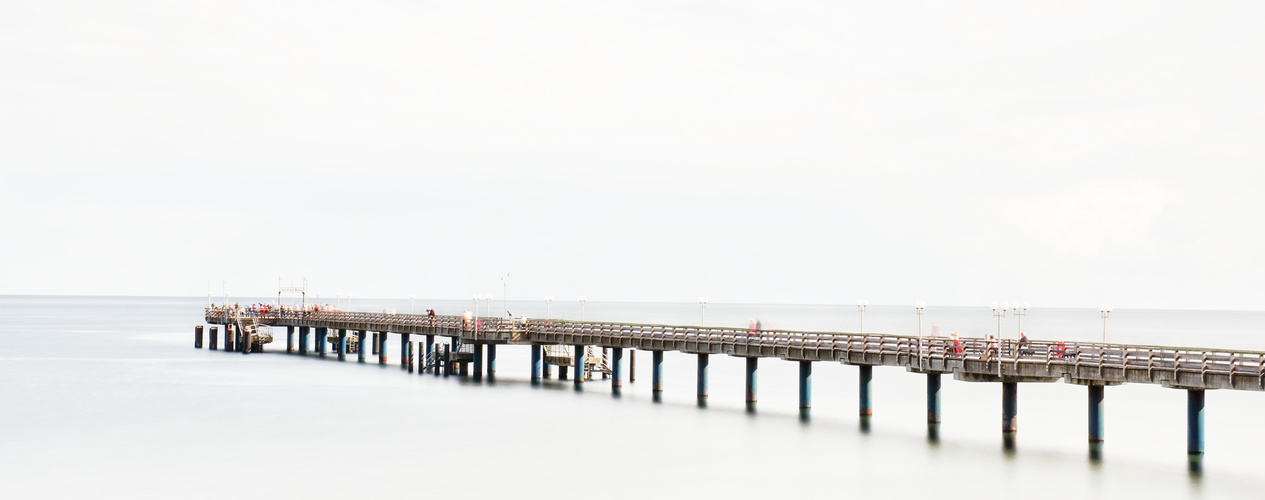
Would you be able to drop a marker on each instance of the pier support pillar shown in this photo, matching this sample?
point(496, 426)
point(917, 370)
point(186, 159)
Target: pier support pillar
point(578, 359)
point(546, 370)
point(478, 361)
point(432, 357)
point(632, 365)
point(342, 344)
point(1095, 421)
point(303, 331)
point(535, 364)
point(617, 369)
point(321, 332)
point(408, 357)
point(491, 361)
point(1009, 413)
point(865, 386)
point(289, 339)
point(752, 365)
point(702, 380)
point(361, 344)
point(197, 337)
point(382, 348)
point(656, 373)
point(562, 372)
point(463, 368)
point(1195, 429)
point(214, 337)
point(404, 343)
point(228, 338)
point(933, 406)
point(805, 387)
point(375, 343)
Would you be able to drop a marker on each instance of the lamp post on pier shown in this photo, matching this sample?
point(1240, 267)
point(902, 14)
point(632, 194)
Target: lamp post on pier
point(1105, 311)
point(999, 313)
point(410, 303)
point(861, 305)
point(1020, 311)
point(476, 300)
point(488, 298)
point(505, 293)
point(583, 299)
point(919, 306)
point(548, 301)
point(702, 310)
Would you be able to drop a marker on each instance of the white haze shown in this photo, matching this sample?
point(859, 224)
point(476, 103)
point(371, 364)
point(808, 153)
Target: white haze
point(790, 152)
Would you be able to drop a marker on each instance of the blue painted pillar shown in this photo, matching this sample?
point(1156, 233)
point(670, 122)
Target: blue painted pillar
point(404, 343)
point(289, 339)
point(933, 398)
point(320, 340)
point(361, 346)
point(431, 355)
point(578, 358)
point(491, 361)
point(342, 344)
point(656, 372)
point(303, 331)
point(865, 385)
point(702, 379)
point(752, 365)
point(1095, 421)
point(617, 369)
point(382, 348)
point(1009, 407)
point(478, 361)
point(535, 364)
point(1195, 428)
point(1096, 413)
point(805, 385)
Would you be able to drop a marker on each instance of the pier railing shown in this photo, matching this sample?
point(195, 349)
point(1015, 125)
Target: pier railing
point(974, 358)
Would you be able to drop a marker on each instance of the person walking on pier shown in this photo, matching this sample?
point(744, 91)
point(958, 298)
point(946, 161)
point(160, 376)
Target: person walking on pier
point(992, 347)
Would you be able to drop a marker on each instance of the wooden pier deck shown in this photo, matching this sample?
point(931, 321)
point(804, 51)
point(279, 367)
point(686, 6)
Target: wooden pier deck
point(1091, 364)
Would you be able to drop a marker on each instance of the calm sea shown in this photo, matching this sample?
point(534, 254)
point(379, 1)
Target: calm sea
point(106, 397)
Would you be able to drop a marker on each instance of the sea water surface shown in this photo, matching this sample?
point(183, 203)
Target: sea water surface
point(105, 397)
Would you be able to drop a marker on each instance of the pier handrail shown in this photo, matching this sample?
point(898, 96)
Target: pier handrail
point(917, 352)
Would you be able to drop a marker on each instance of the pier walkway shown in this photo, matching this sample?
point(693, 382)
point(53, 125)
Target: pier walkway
point(1094, 365)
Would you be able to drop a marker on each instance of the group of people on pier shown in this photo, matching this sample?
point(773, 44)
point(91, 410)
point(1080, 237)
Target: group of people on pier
point(262, 309)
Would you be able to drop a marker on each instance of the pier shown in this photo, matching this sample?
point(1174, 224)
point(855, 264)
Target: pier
point(590, 348)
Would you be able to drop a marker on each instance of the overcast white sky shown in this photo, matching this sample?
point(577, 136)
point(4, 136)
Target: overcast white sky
point(1064, 154)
